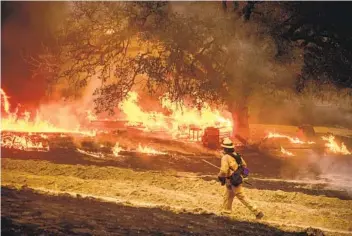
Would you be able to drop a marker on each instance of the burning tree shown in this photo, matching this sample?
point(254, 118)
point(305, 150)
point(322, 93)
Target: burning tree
point(188, 50)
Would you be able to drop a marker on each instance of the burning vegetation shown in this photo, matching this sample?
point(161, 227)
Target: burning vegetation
point(331, 145)
point(178, 122)
point(22, 132)
point(140, 96)
point(334, 147)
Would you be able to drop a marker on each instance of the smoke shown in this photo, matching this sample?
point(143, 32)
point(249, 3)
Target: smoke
point(67, 112)
point(256, 74)
point(318, 105)
point(253, 63)
point(25, 27)
point(335, 172)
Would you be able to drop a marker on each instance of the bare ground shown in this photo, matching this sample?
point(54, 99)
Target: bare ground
point(262, 167)
point(178, 193)
point(30, 213)
point(64, 192)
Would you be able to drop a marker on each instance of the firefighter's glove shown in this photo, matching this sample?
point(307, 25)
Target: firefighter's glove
point(245, 172)
point(222, 180)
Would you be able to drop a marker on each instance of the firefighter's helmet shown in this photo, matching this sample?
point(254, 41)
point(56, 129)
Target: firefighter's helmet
point(227, 143)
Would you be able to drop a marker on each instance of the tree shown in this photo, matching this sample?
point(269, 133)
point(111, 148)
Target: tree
point(326, 34)
point(189, 52)
point(323, 31)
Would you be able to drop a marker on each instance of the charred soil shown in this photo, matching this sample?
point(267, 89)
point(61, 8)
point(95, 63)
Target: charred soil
point(30, 213)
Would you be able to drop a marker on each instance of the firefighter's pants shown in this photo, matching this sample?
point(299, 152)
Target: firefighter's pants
point(232, 192)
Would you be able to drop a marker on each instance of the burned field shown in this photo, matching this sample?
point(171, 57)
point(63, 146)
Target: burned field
point(86, 216)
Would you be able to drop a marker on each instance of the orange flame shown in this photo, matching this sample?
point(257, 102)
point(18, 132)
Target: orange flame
point(178, 123)
point(92, 154)
point(334, 147)
point(287, 153)
point(149, 150)
point(91, 116)
point(25, 143)
point(117, 149)
point(14, 122)
point(292, 139)
point(136, 116)
point(5, 100)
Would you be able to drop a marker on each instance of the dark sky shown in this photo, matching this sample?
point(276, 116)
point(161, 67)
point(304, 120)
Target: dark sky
point(24, 27)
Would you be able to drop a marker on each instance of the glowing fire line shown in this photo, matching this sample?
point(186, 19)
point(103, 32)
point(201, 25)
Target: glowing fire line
point(149, 150)
point(331, 144)
point(292, 140)
point(24, 143)
point(92, 154)
point(287, 153)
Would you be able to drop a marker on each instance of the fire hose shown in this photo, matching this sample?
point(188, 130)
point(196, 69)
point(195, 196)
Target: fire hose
point(219, 169)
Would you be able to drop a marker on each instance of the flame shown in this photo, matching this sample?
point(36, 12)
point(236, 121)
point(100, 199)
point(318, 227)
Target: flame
point(92, 154)
point(334, 147)
point(178, 123)
point(116, 149)
point(287, 153)
point(202, 118)
point(91, 116)
point(292, 139)
point(25, 143)
point(136, 116)
point(44, 136)
point(22, 123)
point(5, 101)
point(15, 123)
point(149, 150)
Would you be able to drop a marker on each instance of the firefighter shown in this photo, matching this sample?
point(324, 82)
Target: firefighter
point(233, 169)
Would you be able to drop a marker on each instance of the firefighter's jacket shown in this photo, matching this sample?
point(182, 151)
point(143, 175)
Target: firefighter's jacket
point(228, 161)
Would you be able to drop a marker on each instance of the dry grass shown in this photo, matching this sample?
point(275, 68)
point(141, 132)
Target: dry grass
point(165, 190)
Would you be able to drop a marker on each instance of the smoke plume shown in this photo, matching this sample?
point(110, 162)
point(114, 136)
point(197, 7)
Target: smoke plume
point(28, 25)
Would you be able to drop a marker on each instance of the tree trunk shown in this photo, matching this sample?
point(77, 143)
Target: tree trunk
point(248, 9)
point(240, 119)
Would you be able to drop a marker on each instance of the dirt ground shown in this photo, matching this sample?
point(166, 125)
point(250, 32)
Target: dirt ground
point(30, 213)
point(64, 192)
point(175, 192)
point(267, 172)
